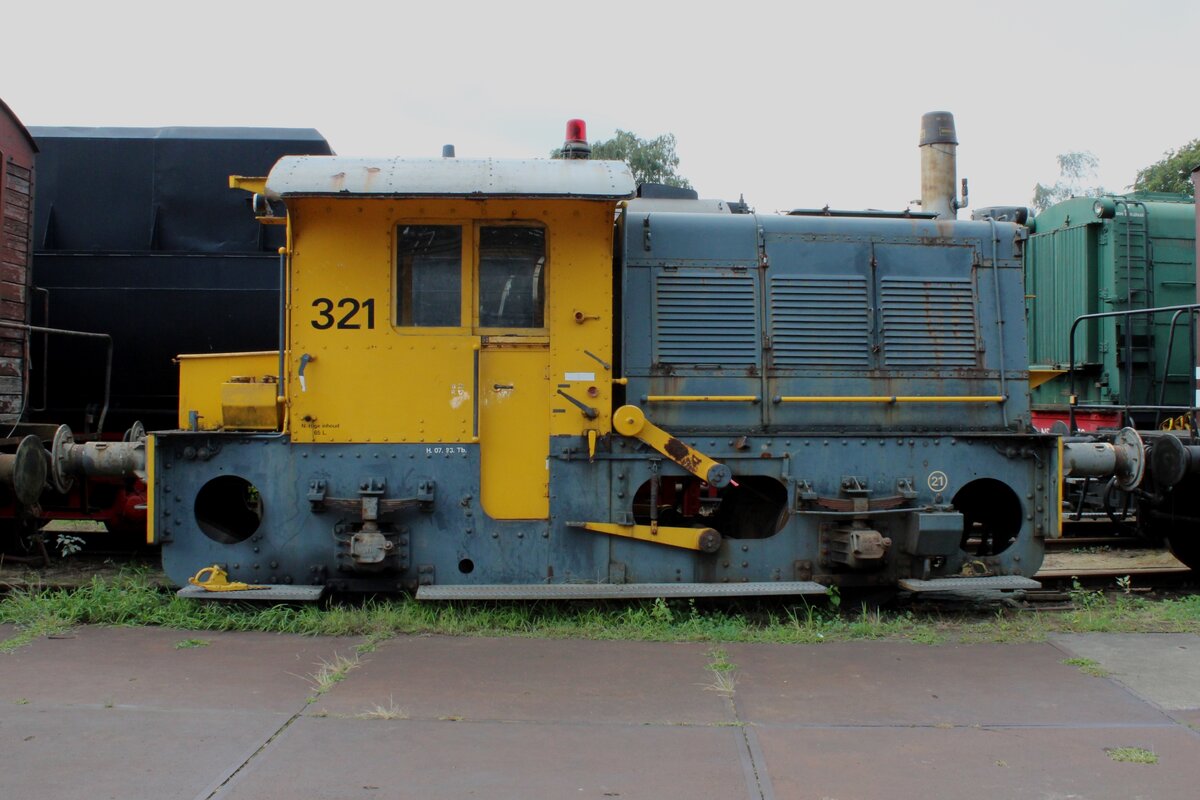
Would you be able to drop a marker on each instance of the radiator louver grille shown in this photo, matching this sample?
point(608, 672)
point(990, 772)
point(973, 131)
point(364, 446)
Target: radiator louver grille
point(820, 322)
point(708, 319)
point(928, 323)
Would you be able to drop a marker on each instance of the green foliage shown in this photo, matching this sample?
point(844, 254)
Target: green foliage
point(1171, 172)
point(650, 160)
point(188, 644)
point(1134, 755)
point(134, 599)
point(1074, 170)
point(67, 544)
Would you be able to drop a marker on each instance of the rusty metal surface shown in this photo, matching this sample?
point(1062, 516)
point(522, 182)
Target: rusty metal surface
point(530, 679)
point(901, 763)
point(144, 668)
point(134, 754)
point(896, 683)
point(432, 759)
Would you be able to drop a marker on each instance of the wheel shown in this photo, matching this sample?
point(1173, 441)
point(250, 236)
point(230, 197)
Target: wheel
point(1185, 546)
point(1175, 521)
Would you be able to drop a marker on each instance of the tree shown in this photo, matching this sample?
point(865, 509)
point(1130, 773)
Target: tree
point(1170, 173)
point(1074, 169)
point(651, 161)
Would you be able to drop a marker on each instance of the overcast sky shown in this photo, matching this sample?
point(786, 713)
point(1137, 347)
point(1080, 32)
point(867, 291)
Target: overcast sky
point(791, 104)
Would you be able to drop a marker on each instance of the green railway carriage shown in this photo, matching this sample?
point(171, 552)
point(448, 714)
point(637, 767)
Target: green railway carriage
point(1114, 253)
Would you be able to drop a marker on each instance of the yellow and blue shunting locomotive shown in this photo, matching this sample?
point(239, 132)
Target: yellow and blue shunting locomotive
point(487, 388)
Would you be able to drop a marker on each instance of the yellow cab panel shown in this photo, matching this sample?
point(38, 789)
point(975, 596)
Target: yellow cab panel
point(448, 321)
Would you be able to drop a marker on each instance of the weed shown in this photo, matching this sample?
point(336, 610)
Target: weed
point(22, 701)
point(1134, 755)
point(329, 673)
point(1087, 666)
point(68, 545)
point(186, 644)
point(1125, 584)
point(724, 672)
point(661, 613)
point(390, 711)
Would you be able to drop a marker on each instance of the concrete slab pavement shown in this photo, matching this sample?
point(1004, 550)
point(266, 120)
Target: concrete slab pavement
point(1163, 668)
point(900, 683)
point(560, 680)
point(445, 717)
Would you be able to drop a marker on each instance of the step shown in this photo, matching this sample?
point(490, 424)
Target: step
point(1004, 583)
point(620, 591)
point(271, 592)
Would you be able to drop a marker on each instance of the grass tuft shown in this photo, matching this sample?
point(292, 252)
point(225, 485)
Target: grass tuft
point(1133, 755)
point(1087, 666)
point(187, 644)
point(390, 711)
point(330, 673)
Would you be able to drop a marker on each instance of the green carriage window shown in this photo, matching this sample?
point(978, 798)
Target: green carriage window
point(429, 276)
point(512, 277)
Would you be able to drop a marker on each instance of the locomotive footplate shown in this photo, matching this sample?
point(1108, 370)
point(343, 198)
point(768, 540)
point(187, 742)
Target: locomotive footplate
point(1003, 583)
point(618, 591)
point(276, 593)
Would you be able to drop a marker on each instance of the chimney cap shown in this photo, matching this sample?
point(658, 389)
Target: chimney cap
point(937, 127)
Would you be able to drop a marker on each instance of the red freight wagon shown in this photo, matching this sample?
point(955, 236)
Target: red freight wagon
point(16, 220)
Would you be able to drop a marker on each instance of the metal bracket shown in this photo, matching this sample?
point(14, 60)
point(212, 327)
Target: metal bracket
point(316, 494)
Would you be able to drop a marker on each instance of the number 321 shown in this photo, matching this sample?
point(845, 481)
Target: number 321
point(326, 319)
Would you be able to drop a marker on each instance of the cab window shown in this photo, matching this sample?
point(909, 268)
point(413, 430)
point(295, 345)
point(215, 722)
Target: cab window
point(429, 276)
point(512, 276)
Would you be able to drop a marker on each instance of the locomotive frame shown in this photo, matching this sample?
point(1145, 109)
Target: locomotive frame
point(489, 390)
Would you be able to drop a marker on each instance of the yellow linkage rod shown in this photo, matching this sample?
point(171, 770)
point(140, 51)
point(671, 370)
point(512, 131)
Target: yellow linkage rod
point(706, 540)
point(630, 421)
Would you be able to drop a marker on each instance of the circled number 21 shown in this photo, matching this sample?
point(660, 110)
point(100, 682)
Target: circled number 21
point(347, 315)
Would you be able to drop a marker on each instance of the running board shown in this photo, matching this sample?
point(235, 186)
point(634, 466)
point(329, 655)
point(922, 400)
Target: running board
point(613, 591)
point(273, 592)
point(1003, 583)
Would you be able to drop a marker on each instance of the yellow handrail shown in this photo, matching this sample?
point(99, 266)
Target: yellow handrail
point(996, 398)
point(702, 398)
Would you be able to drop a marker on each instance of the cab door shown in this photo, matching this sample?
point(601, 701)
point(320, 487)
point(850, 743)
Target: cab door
point(514, 406)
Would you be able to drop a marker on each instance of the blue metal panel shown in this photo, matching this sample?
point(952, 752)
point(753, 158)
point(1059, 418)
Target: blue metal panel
point(927, 303)
point(706, 318)
point(691, 306)
point(820, 321)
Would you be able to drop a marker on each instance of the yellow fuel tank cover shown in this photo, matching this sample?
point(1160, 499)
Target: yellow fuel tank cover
point(249, 406)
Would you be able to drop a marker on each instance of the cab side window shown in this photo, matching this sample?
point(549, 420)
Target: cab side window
point(512, 277)
point(429, 276)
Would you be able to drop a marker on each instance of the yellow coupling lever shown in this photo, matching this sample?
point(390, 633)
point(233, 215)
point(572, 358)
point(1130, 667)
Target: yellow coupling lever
point(215, 579)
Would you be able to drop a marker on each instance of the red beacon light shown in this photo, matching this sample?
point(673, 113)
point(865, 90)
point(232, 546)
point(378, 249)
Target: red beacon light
point(576, 144)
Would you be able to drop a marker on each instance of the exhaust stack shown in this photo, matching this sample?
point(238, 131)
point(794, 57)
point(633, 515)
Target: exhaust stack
point(939, 166)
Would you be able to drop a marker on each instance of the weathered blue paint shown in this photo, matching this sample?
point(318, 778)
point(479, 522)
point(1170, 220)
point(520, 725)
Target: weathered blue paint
point(294, 544)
